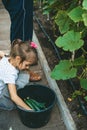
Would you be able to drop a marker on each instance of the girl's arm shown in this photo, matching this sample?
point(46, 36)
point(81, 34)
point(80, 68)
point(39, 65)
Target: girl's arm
point(15, 98)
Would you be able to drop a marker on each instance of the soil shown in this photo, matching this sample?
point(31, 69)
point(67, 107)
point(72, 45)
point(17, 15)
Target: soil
point(65, 87)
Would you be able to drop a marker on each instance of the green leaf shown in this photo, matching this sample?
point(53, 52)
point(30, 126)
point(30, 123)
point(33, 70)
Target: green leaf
point(46, 11)
point(70, 41)
point(63, 21)
point(79, 61)
point(64, 70)
point(83, 83)
point(85, 98)
point(51, 2)
point(84, 4)
point(76, 14)
point(84, 16)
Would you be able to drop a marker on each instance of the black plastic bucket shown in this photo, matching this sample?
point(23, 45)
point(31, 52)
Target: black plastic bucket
point(39, 93)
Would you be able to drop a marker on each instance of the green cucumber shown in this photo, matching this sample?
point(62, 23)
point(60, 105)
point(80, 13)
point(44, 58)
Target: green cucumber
point(34, 105)
point(29, 104)
point(40, 105)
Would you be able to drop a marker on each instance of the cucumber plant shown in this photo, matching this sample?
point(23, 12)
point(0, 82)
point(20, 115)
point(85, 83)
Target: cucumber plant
point(72, 23)
point(70, 18)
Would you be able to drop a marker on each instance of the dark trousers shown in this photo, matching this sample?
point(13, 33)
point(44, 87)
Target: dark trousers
point(21, 15)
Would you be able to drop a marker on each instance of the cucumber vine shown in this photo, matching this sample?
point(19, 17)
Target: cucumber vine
point(70, 18)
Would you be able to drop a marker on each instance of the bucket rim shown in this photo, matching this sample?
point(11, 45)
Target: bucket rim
point(36, 85)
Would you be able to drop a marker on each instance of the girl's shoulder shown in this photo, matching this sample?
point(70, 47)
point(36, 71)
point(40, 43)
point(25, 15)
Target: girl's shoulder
point(5, 64)
point(8, 73)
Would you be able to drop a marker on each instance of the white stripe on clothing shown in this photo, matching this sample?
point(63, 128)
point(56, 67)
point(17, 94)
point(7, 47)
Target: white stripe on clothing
point(24, 20)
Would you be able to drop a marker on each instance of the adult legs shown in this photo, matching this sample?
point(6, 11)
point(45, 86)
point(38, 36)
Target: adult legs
point(21, 15)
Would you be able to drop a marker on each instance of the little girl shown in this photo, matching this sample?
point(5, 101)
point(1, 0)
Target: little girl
point(14, 74)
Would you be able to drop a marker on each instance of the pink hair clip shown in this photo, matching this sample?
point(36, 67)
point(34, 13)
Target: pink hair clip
point(33, 44)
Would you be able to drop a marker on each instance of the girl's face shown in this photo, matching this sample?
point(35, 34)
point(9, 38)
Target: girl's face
point(24, 65)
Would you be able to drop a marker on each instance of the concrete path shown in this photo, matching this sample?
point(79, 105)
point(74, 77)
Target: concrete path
point(9, 120)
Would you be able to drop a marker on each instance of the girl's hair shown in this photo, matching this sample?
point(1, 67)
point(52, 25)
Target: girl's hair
point(22, 49)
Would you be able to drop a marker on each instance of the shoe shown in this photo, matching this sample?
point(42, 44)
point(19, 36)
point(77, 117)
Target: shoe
point(34, 77)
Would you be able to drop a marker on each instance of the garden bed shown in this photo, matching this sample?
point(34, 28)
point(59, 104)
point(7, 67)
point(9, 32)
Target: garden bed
point(52, 58)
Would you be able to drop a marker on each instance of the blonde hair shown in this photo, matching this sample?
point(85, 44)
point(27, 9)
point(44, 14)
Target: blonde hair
point(22, 49)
